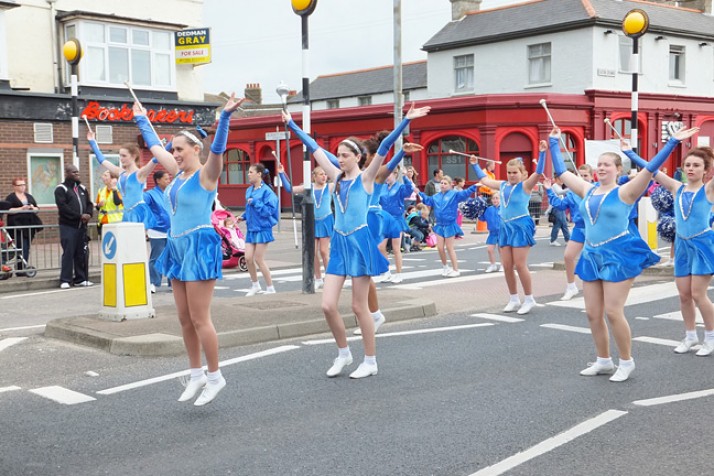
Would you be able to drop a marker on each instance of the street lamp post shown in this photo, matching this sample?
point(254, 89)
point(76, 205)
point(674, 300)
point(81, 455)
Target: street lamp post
point(304, 8)
point(72, 51)
point(635, 25)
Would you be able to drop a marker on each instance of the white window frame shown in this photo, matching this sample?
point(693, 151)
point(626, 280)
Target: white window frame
point(32, 186)
point(4, 73)
point(96, 171)
point(624, 54)
point(546, 60)
point(464, 84)
point(364, 100)
point(677, 51)
point(154, 51)
point(333, 104)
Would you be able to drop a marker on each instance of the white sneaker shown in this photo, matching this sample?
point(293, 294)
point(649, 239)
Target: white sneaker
point(385, 278)
point(706, 350)
point(338, 365)
point(685, 346)
point(377, 324)
point(269, 290)
point(192, 388)
point(512, 306)
point(364, 370)
point(454, 273)
point(569, 294)
point(500, 267)
point(152, 288)
point(623, 373)
point(397, 278)
point(210, 391)
point(319, 283)
point(554, 243)
point(86, 283)
point(446, 271)
point(64, 286)
point(491, 268)
point(253, 291)
point(597, 369)
point(526, 307)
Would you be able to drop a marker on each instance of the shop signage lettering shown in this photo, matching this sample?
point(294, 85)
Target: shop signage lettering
point(95, 111)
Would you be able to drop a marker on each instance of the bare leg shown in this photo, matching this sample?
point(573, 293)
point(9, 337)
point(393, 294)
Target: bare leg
point(508, 272)
point(572, 251)
point(452, 253)
point(520, 261)
point(360, 289)
point(699, 294)
point(440, 249)
point(199, 295)
point(595, 310)
point(372, 299)
point(491, 253)
point(330, 299)
point(250, 260)
point(615, 297)
point(188, 330)
point(316, 262)
point(260, 249)
point(686, 302)
point(397, 250)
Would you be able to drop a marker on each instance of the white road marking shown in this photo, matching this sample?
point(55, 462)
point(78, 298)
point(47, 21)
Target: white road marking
point(277, 272)
point(640, 318)
point(9, 389)
point(639, 295)
point(403, 333)
point(438, 282)
point(220, 287)
point(677, 316)
point(38, 293)
point(5, 343)
point(551, 443)
point(22, 328)
point(62, 395)
point(496, 317)
point(674, 398)
point(656, 340)
point(413, 259)
point(545, 264)
point(562, 327)
point(225, 363)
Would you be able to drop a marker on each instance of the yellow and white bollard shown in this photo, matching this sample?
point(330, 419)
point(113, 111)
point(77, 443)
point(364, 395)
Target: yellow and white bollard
point(125, 273)
point(647, 222)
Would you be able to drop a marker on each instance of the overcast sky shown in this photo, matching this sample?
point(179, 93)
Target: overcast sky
point(261, 43)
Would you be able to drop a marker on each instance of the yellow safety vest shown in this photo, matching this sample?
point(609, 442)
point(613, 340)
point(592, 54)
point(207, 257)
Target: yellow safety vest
point(110, 212)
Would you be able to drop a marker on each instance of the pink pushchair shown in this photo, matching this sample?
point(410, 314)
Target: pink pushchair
point(232, 240)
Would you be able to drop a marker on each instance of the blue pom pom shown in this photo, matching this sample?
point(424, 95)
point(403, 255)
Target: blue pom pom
point(662, 201)
point(473, 208)
point(666, 228)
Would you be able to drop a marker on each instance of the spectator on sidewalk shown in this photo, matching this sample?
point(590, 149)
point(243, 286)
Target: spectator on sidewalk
point(560, 222)
point(110, 206)
point(158, 232)
point(75, 211)
point(23, 224)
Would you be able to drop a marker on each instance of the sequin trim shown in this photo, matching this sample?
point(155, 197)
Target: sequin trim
point(515, 218)
point(134, 206)
point(694, 235)
point(190, 230)
point(323, 217)
point(349, 232)
point(613, 238)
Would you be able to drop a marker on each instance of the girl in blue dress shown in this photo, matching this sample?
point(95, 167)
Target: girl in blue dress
point(131, 182)
point(493, 224)
point(694, 243)
point(393, 193)
point(324, 219)
point(445, 204)
point(575, 244)
point(261, 215)
point(612, 256)
point(192, 258)
point(515, 236)
point(353, 250)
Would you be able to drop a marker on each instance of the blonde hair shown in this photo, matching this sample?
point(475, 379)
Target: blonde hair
point(315, 171)
point(586, 168)
point(615, 158)
point(517, 163)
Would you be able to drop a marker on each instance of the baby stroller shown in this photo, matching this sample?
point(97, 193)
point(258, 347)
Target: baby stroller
point(11, 259)
point(232, 240)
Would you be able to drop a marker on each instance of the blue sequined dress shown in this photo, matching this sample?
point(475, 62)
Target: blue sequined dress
point(517, 227)
point(135, 209)
point(694, 242)
point(324, 219)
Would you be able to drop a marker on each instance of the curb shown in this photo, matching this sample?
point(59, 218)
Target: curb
point(655, 270)
point(79, 330)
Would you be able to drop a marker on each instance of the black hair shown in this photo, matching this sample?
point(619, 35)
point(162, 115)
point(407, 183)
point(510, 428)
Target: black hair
point(159, 174)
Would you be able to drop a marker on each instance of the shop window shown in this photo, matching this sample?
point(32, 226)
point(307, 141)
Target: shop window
point(97, 170)
point(438, 157)
point(235, 170)
point(114, 54)
point(44, 173)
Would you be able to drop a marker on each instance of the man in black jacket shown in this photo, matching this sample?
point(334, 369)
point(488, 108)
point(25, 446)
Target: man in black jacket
point(75, 211)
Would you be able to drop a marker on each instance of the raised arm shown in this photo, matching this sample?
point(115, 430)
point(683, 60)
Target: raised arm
point(573, 182)
point(100, 157)
point(332, 169)
point(631, 191)
point(531, 181)
point(152, 141)
point(214, 164)
point(668, 182)
point(481, 176)
point(285, 181)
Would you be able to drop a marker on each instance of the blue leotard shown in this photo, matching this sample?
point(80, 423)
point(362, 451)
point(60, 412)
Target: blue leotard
point(353, 250)
point(324, 219)
point(694, 242)
point(446, 207)
point(392, 201)
point(135, 208)
point(517, 227)
point(376, 214)
point(611, 252)
point(493, 222)
point(193, 248)
point(261, 214)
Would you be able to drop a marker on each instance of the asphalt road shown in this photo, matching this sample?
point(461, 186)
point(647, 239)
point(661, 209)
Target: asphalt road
point(472, 391)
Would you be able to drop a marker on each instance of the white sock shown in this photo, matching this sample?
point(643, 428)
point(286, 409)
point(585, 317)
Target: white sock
point(604, 362)
point(270, 288)
point(515, 298)
point(343, 353)
point(377, 315)
point(627, 363)
point(256, 284)
point(708, 335)
point(214, 377)
point(529, 298)
point(572, 286)
point(692, 335)
point(370, 359)
point(197, 373)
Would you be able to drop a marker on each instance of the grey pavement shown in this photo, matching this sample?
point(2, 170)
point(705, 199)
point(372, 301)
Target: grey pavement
point(239, 320)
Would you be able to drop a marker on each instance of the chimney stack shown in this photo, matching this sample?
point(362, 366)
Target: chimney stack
point(459, 8)
point(254, 93)
point(703, 5)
